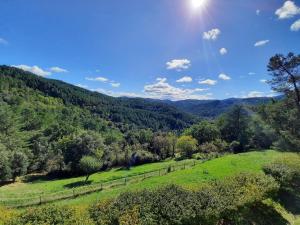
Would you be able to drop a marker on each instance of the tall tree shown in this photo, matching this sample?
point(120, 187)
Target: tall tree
point(285, 71)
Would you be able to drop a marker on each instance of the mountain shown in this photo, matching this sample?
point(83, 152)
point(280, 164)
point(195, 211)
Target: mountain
point(214, 108)
point(139, 113)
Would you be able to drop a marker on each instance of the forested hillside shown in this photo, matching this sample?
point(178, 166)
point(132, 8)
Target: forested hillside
point(214, 108)
point(133, 112)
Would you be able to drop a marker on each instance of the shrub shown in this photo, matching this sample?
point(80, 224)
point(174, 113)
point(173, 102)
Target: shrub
point(285, 170)
point(52, 215)
point(211, 204)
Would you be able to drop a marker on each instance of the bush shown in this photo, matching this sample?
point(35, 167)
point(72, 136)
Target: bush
point(50, 215)
point(211, 204)
point(286, 171)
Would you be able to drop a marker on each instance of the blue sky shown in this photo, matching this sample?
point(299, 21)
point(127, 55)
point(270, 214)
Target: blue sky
point(167, 49)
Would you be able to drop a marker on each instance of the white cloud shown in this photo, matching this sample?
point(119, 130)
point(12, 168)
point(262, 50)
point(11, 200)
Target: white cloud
point(211, 34)
point(163, 90)
point(118, 94)
point(185, 79)
point(34, 69)
point(223, 51)
point(100, 79)
point(257, 12)
point(82, 86)
point(57, 69)
point(223, 76)
point(261, 43)
point(288, 10)
point(3, 41)
point(114, 84)
point(178, 64)
point(295, 26)
point(251, 73)
point(208, 82)
point(254, 94)
point(263, 81)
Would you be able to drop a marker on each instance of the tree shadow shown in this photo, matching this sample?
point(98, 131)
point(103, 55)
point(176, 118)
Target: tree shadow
point(263, 214)
point(3, 183)
point(78, 184)
point(290, 200)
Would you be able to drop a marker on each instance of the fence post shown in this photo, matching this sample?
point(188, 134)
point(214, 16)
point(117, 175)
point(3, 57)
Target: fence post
point(158, 172)
point(73, 193)
point(101, 186)
point(125, 181)
point(194, 162)
point(144, 176)
point(40, 199)
point(184, 166)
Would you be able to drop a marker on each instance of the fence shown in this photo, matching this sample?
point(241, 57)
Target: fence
point(96, 187)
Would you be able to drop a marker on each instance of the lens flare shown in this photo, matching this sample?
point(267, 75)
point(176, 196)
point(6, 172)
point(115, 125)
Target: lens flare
point(197, 4)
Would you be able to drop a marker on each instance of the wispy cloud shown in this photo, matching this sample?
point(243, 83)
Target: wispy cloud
point(34, 69)
point(208, 82)
point(100, 79)
point(113, 84)
point(261, 43)
point(251, 73)
point(82, 86)
point(258, 12)
point(104, 80)
point(57, 69)
point(295, 26)
point(223, 76)
point(185, 79)
point(255, 94)
point(178, 64)
point(288, 10)
point(211, 34)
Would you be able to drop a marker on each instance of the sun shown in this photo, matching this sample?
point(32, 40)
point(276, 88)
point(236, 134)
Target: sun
point(197, 4)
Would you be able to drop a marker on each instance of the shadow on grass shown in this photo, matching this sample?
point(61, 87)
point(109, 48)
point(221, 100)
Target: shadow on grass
point(77, 184)
point(263, 214)
point(290, 200)
point(3, 183)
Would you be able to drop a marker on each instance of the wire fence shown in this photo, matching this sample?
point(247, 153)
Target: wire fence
point(88, 189)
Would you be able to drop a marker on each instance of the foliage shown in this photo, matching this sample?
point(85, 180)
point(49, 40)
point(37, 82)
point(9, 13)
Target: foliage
point(187, 145)
point(234, 126)
point(89, 165)
point(216, 202)
point(285, 75)
point(5, 170)
point(203, 132)
point(286, 170)
point(19, 164)
point(50, 215)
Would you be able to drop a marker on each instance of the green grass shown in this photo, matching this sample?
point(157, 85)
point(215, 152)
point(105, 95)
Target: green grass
point(40, 187)
point(189, 178)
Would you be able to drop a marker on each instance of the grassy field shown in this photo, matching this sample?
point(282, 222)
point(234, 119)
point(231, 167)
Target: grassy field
point(189, 178)
point(42, 186)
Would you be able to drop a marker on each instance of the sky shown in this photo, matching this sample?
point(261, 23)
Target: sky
point(165, 49)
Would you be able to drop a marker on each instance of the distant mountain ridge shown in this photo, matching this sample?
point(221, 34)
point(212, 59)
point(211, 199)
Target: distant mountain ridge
point(213, 108)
